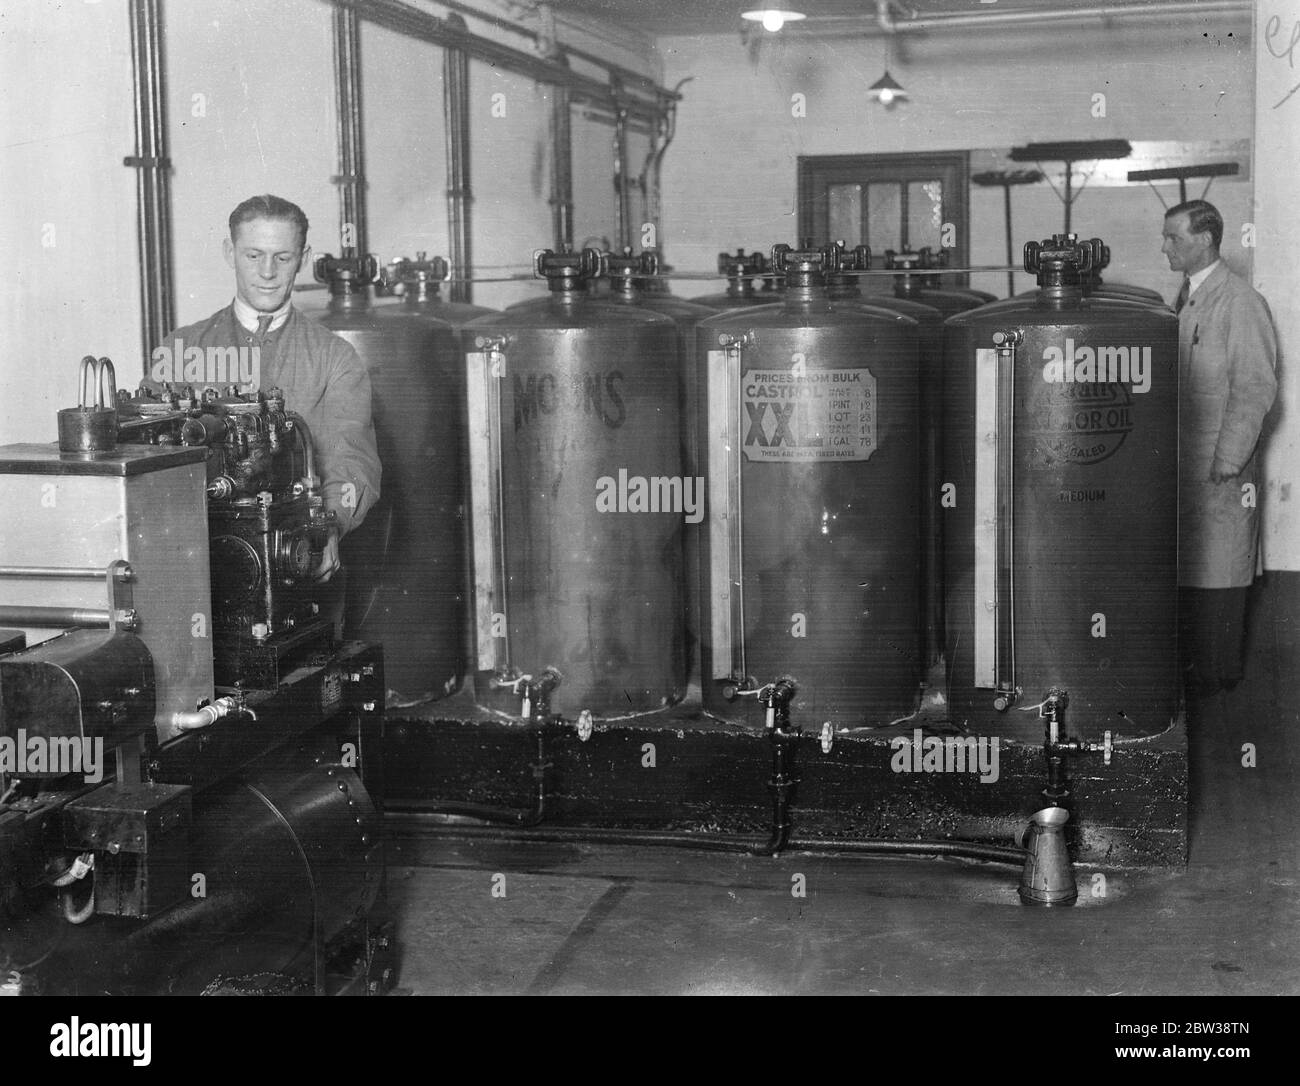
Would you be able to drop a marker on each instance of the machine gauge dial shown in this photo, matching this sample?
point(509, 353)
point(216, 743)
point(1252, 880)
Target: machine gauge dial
point(295, 556)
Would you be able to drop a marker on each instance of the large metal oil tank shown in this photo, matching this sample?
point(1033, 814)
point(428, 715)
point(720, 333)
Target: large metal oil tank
point(578, 499)
point(912, 285)
point(812, 565)
point(405, 564)
point(627, 275)
point(416, 282)
point(1060, 479)
point(845, 287)
point(747, 284)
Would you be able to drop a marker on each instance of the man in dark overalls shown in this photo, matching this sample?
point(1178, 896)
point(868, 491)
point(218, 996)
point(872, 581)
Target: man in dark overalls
point(322, 377)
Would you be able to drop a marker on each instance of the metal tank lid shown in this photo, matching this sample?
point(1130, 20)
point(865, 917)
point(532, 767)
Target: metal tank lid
point(807, 271)
point(420, 278)
point(570, 302)
point(347, 275)
point(628, 273)
point(741, 270)
point(1062, 265)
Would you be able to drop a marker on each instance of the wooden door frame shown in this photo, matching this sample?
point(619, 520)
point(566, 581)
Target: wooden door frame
point(815, 172)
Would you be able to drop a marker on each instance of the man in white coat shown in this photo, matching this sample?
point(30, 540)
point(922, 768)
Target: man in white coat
point(1227, 355)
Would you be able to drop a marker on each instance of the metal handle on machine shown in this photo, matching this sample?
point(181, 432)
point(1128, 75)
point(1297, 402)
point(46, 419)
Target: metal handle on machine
point(726, 549)
point(53, 573)
point(98, 371)
point(91, 426)
point(119, 614)
point(484, 371)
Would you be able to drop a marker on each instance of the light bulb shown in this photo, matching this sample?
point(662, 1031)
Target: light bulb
point(886, 96)
point(772, 19)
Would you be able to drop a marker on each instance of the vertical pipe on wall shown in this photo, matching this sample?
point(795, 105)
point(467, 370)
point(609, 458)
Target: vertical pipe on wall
point(1011, 244)
point(455, 100)
point(648, 184)
point(153, 191)
point(351, 178)
point(620, 179)
point(662, 131)
point(561, 169)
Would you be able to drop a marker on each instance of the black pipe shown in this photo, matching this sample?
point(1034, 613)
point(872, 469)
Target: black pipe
point(455, 101)
point(351, 179)
point(153, 171)
point(785, 745)
point(399, 817)
point(86, 618)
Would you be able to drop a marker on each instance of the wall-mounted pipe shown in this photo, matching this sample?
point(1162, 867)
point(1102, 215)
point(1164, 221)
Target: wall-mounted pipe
point(407, 20)
point(621, 182)
point(561, 169)
point(351, 178)
point(890, 24)
point(153, 171)
point(455, 101)
point(652, 172)
point(629, 77)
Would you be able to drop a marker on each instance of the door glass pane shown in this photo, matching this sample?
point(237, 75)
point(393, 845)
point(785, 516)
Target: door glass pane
point(884, 217)
point(924, 213)
point(844, 211)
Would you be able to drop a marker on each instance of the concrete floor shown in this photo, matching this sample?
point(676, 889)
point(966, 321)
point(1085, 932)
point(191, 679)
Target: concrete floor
point(572, 918)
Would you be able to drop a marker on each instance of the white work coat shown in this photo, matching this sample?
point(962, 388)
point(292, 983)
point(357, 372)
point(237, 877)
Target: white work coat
point(1227, 354)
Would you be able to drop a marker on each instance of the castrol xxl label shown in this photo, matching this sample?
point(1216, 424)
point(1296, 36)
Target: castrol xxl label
point(813, 415)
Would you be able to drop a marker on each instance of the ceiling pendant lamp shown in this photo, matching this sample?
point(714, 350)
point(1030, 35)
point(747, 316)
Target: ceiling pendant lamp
point(772, 19)
point(887, 90)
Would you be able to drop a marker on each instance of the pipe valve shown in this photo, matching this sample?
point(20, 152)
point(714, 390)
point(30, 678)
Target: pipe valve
point(776, 696)
point(1056, 746)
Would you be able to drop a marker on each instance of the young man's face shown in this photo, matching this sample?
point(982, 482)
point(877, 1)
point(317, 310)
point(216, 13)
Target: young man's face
point(1187, 252)
point(267, 255)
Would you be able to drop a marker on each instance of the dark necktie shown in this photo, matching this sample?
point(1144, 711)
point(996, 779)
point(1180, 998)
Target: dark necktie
point(264, 327)
point(1182, 295)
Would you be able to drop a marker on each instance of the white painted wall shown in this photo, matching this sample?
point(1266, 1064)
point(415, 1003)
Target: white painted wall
point(68, 230)
point(1277, 277)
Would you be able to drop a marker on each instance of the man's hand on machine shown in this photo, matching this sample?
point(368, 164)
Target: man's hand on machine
point(329, 560)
